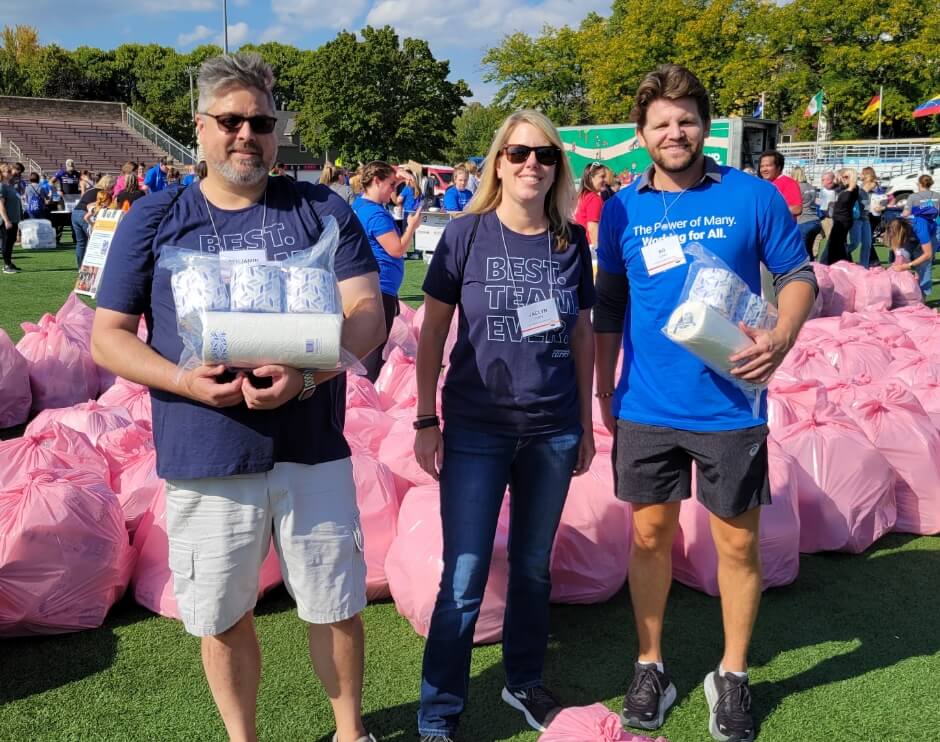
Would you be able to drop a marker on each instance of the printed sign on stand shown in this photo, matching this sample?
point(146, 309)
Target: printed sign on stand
point(96, 254)
point(430, 231)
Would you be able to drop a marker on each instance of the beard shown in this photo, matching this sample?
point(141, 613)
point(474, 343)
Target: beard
point(690, 157)
point(245, 172)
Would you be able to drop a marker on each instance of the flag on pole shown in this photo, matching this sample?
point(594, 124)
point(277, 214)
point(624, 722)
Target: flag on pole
point(873, 105)
point(928, 108)
point(815, 105)
point(759, 110)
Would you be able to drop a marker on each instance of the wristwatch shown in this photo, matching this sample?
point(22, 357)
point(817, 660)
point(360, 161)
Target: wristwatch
point(310, 385)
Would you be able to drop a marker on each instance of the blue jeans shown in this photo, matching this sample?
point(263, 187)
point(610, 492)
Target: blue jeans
point(80, 230)
point(861, 236)
point(476, 469)
point(809, 231)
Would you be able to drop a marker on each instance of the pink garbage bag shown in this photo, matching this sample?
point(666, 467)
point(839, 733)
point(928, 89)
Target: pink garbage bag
point(135, 398)
point(888, 333)
point(91, 418)
point(132, 458)
point(396, 451)
point(843, 290)
point(592, 546)
point(56, 447)
point(852, 356)
point(905, 289)
point(903, 433)
point(928, 394)
point(64, 554)
point(797, 398)
point(360, 392)
point(826, 288)
point(845, 486)
point(845, 391)
point(595, 723)
point(873, 290)
point(913, 316)
point(401, 336)
point(694, 559)
point(397, 383)
point(805, 362)
point(451, 340)
point(61, 370)
point(414, 566)
point(407, 313)
point(15, 394)
point(153, 582)
point(912, 368)
point(378, 514)
point(366, 428)
point(76, 319)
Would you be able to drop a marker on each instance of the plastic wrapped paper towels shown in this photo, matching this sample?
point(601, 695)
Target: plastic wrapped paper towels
point(706, 333)
point(257, 288)
point(199, 288)
point(310, 290)
point(247, 340)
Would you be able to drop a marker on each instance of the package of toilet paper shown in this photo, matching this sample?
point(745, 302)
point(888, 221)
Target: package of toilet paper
point(249, 313)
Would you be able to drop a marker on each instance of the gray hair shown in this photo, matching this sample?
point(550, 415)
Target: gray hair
point(225, 72)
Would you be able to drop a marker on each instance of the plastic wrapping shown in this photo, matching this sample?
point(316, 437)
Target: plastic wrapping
point(91, 418)
point(37, 234)
point(15, 394)
point(246, 315)
point(61, 369)
point(132, 459)
point(135, 398)
point(378, 514)
point(55, 447)
point(64, 554)
point(705, 321)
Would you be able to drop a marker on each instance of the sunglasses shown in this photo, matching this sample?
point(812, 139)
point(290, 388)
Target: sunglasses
point(519, 153)
point(232, 122)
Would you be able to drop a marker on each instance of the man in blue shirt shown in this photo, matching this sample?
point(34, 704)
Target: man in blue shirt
point(248, 454)
point(668, 409)
point(155, 179)
point(458, 195)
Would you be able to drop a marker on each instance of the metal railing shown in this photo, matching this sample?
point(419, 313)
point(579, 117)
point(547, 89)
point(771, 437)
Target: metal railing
point(15, 153)
point(890, 158)
point(151, 133)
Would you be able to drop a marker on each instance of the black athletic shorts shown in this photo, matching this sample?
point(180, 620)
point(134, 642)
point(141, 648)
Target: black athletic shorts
point(653, 465)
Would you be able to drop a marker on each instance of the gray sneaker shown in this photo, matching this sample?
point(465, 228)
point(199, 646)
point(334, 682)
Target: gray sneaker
point(367, 738)
point(10, 269)
point(648, 698)
point(729, 708)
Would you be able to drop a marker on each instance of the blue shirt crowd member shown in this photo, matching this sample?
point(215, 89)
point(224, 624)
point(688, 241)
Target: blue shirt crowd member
point(668, 410)
point(377, 221)
point(232, 440)
point(155, 179)
point(456, 199)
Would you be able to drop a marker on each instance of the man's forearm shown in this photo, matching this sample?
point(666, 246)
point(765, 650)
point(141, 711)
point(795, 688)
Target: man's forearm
point(123, 353)
point(794, 303)
point(606, 349)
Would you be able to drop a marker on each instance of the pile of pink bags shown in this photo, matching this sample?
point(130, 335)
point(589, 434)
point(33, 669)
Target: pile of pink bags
point(847, 287)
point(595, 723)
point(16, 398)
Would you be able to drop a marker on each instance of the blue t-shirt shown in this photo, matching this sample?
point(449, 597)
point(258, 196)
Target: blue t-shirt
point(376, 221)
point(155, 179)
point(409, 200)
point(189, 179)
point(456, 200)
point(742, 220)
point(498, 382)
point(192, 439)
point(924, 230)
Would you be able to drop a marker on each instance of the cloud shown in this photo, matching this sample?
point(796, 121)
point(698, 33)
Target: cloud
point(277, 33)
point(237, 34)
point(311, 14)
point(199, 33)
point(164, 6)
point(480, 25)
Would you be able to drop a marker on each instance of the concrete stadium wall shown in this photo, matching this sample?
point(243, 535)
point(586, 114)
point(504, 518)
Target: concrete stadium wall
point(54, 108)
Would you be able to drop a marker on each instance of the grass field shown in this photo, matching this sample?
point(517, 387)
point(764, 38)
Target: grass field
point(850, 652)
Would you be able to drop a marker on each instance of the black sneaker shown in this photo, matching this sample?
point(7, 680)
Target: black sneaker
point(11, 269)
point(648, 698)
point(729, 707)
point(537, 704)
point(436, 738)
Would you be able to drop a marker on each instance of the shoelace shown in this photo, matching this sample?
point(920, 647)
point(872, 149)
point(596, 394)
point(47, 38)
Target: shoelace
point(542, 696)
point(646, 685)
point(737, 702)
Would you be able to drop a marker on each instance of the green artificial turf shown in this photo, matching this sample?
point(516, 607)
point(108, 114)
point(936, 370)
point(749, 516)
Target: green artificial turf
point(850, 652)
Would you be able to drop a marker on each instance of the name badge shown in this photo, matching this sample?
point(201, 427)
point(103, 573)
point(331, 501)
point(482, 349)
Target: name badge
point(539, 318)
point(663, 254)
point(228, 259)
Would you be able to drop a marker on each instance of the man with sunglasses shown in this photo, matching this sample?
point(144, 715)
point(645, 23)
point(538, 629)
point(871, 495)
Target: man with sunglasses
point(247, 454)
point(668, 409)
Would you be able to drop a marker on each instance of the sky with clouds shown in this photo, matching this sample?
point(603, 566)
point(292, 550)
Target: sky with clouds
point(459, 32)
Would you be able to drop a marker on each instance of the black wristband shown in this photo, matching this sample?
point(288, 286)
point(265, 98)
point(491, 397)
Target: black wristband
point(426, 422)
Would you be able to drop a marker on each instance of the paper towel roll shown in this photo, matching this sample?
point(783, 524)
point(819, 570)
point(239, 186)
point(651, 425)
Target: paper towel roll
point(257, 287)
point(199, 288)
point(249, 340)
point(720, 289)
point(757, 313)
point(706, 333)
point(310, 290)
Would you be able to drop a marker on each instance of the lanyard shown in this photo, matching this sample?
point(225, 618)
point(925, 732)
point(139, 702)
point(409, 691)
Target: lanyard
point(551, 280)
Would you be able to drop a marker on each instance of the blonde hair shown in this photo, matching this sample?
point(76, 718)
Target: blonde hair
point(328, 175)
point(471, 167)
point(106, 182)
point(869, 178)
point(103, 199)
point(852, 176)
point(559, 201)
point(798, 174)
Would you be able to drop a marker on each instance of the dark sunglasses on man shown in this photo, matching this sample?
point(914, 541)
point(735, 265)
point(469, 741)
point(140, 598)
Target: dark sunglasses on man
point(232, 122)
point(519, 153)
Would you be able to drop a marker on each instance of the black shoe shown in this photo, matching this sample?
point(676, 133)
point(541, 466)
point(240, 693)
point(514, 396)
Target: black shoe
point(648, 698)
point(729, 707)
point(537, 704)
point(11, 269)
point(436, 738)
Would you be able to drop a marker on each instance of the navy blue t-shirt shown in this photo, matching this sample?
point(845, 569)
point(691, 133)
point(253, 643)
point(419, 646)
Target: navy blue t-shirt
point(193, 440)
point(497, 381)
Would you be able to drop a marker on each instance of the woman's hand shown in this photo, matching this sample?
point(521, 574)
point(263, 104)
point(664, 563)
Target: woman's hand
point(429, 450)
point(586, 453)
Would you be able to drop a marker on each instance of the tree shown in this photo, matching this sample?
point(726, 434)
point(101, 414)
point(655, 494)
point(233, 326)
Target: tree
point(473, 131)
point(291, 71)
point(375, 98)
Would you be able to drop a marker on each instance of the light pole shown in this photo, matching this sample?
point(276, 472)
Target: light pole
point(225, 26)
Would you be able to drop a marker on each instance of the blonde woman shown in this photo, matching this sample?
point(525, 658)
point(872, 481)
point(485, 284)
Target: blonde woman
point(335, 178)
point(807, 221)
point(516, 409)
point(843, 209)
